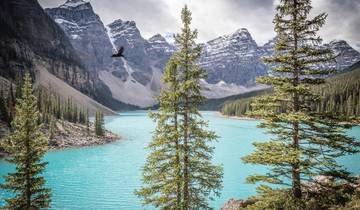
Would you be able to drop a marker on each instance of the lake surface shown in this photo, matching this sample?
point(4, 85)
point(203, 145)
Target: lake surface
point(105, 177)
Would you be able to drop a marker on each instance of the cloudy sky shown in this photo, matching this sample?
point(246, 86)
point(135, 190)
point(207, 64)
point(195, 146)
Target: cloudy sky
point(214, 18)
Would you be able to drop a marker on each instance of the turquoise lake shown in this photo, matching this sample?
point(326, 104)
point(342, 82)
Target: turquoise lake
point(105, 177)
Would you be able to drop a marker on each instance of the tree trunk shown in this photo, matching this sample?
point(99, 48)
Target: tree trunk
point(296, 183)
point(27, 172)
point(177, 147)
point(186, 157)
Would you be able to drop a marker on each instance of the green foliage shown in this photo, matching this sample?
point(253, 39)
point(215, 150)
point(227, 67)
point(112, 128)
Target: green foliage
point(330, 196)
point(51, 105)
point(341, 94)
point(305, 142)
point(99, 123)
point(353, 204)
point(178, 173)
point(26, 146)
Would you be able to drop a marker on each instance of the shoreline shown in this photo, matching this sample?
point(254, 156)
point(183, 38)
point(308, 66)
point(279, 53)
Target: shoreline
point(70, 135)
point(219, 114)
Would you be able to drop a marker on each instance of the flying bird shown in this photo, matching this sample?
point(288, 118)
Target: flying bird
point(119, 53)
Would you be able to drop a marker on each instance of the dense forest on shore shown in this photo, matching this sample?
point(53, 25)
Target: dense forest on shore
point(340, 94)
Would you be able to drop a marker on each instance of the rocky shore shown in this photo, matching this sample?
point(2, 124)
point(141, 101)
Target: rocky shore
point(234, 204)
point(76, 135)
point(236, 117)
point(67, 135)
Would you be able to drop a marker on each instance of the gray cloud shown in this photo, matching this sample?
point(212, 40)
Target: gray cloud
point(343, 20)
point(214, 18)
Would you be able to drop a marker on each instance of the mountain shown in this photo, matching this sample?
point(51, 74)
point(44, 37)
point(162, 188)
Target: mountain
point(138, 75)
point(159, 49)
point(86, 32)
point(345, 54)
point(31, 41)
point(134, 80)
point(232, 61)
point(27, 40)
point(89, 38)
point(233, 58)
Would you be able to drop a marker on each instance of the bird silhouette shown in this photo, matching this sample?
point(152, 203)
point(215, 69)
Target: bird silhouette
point(119, 53)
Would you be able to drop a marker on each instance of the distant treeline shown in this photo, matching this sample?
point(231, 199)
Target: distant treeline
point(340, 95)
point(48, 103)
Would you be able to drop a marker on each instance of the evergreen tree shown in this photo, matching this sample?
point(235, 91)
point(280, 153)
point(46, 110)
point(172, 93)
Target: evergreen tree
point(305, 142)
point(26, 146)
point(52, 127)
point(201, 179)
point(11, 103)
point(4, 114)
point(87, 122)
point(178, 173)
point(162, 187)
point(99, 123)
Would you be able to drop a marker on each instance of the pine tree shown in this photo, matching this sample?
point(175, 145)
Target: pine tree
point(178, 173)
point(26, 146)
point(87, 121)
point(201, 179)
point(52, 127)
point(305, 143)
point(162, 187)
point(99, 123)
point(4, 114)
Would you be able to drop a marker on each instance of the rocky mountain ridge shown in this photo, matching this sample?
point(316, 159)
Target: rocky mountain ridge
point(232, 61)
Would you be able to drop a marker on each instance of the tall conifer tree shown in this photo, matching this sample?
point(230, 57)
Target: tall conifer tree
point(162, 171)
point(99, 123)
point(26, 146)
point(178, 173)
point(305, 142)
point(201, 179)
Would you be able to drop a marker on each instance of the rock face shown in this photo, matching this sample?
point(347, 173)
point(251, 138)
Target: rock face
point(86, 33)
point(34, 39)
point(138, 75)
point(159, 50)
point(126, 34)
point(346, 55)
point(233, 58)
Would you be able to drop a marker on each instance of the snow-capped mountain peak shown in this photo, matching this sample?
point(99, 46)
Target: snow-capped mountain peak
point(157, 38)
point(241, 33)
point(86, 32)
point(73, 3)
point(170, 38)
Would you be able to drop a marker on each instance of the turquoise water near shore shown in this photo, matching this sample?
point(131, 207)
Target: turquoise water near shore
point(105, 177)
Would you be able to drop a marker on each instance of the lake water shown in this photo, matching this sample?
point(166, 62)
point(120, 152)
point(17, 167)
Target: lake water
point(105, 177)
